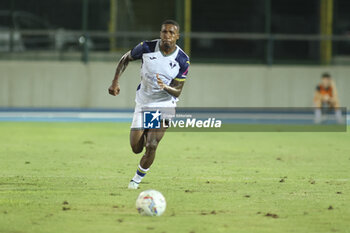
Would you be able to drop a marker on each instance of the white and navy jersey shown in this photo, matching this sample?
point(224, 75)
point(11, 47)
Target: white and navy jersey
point(168, 67)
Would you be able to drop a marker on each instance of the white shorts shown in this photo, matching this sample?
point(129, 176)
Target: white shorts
point(137, 120)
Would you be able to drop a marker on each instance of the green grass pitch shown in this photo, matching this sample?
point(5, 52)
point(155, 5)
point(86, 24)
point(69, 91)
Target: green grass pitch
point(72, 177)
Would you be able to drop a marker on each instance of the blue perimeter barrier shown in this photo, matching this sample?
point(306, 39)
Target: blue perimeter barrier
point(122, 115)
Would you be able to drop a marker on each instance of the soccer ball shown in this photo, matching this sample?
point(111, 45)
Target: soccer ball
point(150, 203)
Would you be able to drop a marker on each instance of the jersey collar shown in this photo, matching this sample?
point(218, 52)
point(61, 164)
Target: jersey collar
point(158, 49)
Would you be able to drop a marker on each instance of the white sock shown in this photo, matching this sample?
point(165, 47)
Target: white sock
point(140, 173)
point(318, 115)
point(338, 114)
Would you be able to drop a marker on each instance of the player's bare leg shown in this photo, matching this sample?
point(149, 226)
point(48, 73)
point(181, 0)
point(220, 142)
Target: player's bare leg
point(152, 140)
point(153, 137)
point(137, 140)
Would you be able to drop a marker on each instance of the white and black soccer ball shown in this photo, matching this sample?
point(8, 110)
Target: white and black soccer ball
point(150, 203)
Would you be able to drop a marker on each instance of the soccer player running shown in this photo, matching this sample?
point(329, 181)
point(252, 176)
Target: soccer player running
point(163, 72)
point(326, 96)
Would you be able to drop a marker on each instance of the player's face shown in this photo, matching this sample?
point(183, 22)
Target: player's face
point(169, 34)
point(326, 82)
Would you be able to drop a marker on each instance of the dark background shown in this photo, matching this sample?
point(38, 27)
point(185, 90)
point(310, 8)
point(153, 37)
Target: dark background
point(243, 16)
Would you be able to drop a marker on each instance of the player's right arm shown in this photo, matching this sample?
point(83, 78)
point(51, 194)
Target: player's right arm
point(317, 98)
point(134, 54)
point(114, 89)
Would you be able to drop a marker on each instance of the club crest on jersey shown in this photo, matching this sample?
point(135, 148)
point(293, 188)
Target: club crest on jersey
point(172, 65)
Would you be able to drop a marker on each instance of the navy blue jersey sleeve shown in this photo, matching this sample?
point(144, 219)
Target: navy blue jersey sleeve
point(184, 63)
point(137, 51)
point(143, 47)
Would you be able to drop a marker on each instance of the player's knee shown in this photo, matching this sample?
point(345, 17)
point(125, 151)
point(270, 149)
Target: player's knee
point(136, 149)
point(152, 145)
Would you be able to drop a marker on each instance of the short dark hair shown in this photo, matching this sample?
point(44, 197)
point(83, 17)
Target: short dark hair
point(173, 22)
point(326, 75)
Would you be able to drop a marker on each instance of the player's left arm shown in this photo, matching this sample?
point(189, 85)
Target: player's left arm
point(175, 87)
